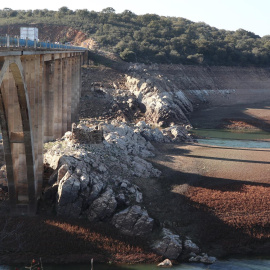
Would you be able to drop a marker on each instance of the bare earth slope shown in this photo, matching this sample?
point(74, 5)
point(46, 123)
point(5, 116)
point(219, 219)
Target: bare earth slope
point(217, 195)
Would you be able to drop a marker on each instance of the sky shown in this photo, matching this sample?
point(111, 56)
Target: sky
point(251, 15)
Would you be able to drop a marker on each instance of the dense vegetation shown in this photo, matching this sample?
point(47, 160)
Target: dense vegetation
point(151, 38)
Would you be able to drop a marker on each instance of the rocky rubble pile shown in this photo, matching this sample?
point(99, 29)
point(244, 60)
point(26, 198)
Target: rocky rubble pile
point(123, 106)
point(109, 104)
point(175, 133)
point(85, 172)
point(94, 181)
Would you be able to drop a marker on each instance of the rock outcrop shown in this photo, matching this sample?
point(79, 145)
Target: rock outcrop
point(175, 133)
point(170, 245)
point(103, 207)
point(93, 180)
point(164, 103)
point(133, 221)
point(189, 247)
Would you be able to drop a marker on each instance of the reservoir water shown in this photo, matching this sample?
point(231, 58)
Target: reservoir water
point(229, 138)
point(208, 124)
point(233, 264)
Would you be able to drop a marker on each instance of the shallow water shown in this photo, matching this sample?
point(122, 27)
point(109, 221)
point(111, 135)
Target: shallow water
point(235, 143)
point(233, 264)
point(228, 138)
point(257, 135)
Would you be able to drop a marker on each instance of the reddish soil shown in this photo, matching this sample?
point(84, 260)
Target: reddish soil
point(218, 196)
point(236, 188)
point(65, 241)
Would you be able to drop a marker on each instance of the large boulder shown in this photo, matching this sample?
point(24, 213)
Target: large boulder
point(189, 246)
point(133, 221)
point(103, 207)
point(170, 245)
point(69, 203)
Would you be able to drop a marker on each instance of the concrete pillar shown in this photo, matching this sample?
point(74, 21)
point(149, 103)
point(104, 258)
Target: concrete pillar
point(60, 98)
point(15, 127)
point(32, 81)
point(64, 94)
point(39, 97)
point(35, 115)
point(57, 85)
point(76, 87)
point(48, 101)
point(41, 91)
point(80, 56)
point(73, 87)
point(26, 141)
point(69, 92)
point(12, 187)
point(13, 143)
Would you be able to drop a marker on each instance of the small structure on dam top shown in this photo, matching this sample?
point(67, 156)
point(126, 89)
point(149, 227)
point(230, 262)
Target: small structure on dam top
point(30, 33)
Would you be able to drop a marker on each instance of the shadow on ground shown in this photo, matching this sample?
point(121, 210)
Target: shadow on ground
point(201, 207)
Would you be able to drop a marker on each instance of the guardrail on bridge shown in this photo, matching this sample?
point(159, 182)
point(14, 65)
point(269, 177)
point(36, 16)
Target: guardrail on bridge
point(15, 42)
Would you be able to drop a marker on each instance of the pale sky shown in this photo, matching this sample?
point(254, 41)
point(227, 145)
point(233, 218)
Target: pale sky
point(251, 15)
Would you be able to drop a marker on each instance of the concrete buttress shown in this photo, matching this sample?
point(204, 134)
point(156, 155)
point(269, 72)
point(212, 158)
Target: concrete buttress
point(39, 96)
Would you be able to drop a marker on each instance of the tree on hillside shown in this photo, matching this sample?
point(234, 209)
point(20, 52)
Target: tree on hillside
point(128, 55)
point(63, 10)
point(108, 10)
point(82, 13)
